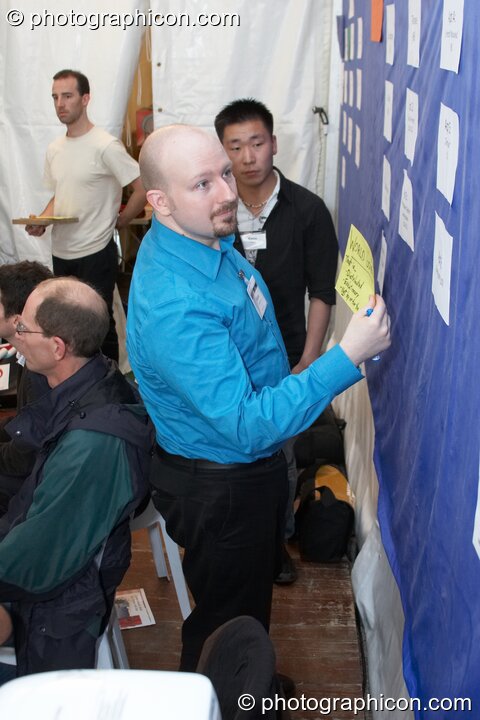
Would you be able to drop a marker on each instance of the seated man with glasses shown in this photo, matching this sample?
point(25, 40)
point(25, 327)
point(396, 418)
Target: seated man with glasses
point(65, 540)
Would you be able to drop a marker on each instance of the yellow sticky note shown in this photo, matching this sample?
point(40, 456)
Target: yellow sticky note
point(355, 281)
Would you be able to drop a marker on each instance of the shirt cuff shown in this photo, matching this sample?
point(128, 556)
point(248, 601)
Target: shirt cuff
point(335, 370)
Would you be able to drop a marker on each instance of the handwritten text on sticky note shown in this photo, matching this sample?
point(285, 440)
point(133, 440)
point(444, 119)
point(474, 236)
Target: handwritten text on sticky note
point(355, 281)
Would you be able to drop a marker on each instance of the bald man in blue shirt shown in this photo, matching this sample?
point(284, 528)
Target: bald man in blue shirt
point(212, 369)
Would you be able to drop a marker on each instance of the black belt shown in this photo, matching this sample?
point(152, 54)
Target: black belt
point(192, 463)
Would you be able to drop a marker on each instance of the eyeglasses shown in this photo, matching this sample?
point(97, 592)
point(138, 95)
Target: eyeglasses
point(20, 329)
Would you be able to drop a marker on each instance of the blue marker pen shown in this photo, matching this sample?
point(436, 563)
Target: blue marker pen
point(367, 314)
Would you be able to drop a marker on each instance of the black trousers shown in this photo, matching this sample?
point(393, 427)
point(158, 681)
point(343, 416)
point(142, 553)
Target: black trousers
point(230, 522)
point(100, 270)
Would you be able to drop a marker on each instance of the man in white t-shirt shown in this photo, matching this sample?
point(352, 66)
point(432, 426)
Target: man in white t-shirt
point(86, 170)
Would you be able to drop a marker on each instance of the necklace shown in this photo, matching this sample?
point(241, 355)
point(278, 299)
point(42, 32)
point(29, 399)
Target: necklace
point(254, 205)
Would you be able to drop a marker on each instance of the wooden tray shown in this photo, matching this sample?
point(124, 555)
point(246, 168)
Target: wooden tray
point(43, 220)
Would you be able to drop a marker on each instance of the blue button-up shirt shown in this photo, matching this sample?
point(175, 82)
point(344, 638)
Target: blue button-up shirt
point(213, 374)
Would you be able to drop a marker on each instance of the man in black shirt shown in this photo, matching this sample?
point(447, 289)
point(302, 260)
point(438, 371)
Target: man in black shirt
point(287, 233)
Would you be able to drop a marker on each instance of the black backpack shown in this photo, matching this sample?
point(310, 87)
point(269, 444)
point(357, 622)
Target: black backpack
point(324, 518)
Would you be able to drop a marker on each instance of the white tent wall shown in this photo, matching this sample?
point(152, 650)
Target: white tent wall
point(279, 54)
point(28, 60)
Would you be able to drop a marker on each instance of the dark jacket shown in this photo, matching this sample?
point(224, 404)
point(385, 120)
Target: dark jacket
point(301, 255)
point(16, 463)
point(93, 443)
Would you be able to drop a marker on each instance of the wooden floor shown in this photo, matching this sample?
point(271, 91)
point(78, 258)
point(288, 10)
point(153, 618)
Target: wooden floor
point(313, 629)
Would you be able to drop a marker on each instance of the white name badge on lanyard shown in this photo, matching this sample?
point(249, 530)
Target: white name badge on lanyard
point(255, 240)
point(256, 296)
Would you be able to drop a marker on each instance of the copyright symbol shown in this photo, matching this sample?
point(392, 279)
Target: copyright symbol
point(14, 18)
point(246, 702)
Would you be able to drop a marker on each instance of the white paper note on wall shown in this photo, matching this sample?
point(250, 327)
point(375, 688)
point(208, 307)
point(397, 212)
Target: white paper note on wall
point(387, 117)
point(447, 151)
point(382, 263)
point(386, 183)
point(414, 29)
point(390, 34)
point(411, 124)
point(405, 221)
point(359, 88)
point(452, 31)
point(359, 38)
point(357, 145)
point(442, 265)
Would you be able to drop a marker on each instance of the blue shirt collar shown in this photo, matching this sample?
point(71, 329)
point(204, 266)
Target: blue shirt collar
point(203, 258)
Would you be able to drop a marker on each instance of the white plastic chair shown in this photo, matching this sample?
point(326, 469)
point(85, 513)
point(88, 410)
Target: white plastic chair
point(150, 519)
point(111, 652)
point(119, 694)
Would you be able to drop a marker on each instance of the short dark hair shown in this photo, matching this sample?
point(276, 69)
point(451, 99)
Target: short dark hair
point(240, 111)
point(65, 314)
point(83, 86)
point(17, 281)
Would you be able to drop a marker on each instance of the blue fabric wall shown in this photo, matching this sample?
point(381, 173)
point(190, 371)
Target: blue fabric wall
point(425, 389)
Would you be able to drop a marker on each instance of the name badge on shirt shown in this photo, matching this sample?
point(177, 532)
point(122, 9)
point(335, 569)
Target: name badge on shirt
point(254, 240)
point(256, 296)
